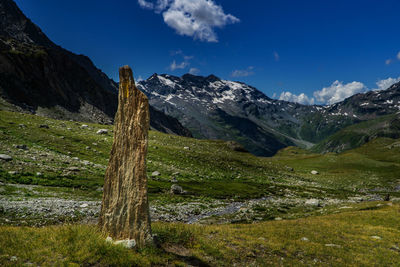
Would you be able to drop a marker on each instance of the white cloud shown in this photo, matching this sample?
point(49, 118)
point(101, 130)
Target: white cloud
point(243, 73)
point(276, 56)
point(398, 56)
point(388, 61)
point(194, 71)
point(161, 5)
point(301, 98)
point(338, 91)
point(196, 19)
point(145, 4)
point(386, 83)
point(175, 66)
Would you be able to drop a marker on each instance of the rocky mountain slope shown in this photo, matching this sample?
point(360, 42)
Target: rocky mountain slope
point(358, 134)
point(39, 76)
point(219, 109)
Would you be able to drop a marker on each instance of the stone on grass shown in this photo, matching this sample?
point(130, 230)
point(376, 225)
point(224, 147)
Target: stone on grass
point(23, 147)
point(288, 168)
point(376, 237)
point(304, 239)
point(73, 169)
point(176, 189)
point(155, 173)
point(102, 131)
point(84, 126)
point(84, 205)
point(5, 157)
point(312, 202)
point(45, 126)
point(127, 243)
point(314, 172)
point(186, 148)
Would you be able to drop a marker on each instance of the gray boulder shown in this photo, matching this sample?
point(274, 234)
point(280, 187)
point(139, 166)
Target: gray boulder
point(5, 157)
point(176, 189)
point(102, 131)
point(312, 202)
point(155, 173)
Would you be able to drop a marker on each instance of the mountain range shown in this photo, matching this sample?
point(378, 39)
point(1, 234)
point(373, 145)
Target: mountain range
point(214, 108)
point(40, 77)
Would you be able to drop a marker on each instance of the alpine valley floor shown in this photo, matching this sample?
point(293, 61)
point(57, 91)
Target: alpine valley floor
point(230, 208)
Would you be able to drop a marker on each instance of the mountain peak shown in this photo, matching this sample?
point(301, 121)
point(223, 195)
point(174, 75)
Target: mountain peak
point(14, 24)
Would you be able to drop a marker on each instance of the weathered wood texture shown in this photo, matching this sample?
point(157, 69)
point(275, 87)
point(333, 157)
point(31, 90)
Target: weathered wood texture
point(125, 209)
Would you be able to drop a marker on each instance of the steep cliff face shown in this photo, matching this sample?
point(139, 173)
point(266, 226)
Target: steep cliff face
point(40, 77)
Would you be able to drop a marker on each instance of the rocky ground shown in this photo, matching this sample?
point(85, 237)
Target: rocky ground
point(40, 205)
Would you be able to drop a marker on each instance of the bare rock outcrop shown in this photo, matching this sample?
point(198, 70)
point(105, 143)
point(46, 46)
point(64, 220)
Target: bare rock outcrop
point(125, 209)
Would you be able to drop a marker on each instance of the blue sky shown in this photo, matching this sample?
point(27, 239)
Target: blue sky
point(327, 49)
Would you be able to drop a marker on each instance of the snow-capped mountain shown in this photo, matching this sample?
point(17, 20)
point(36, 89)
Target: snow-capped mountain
point(213, 108)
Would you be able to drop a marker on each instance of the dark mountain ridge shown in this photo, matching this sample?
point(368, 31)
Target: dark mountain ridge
point(41, 77)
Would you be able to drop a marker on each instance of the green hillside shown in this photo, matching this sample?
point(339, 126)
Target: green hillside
point(358, 134)
point(265, 205)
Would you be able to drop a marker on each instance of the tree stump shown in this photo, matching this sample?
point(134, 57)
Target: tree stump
point(125, 209)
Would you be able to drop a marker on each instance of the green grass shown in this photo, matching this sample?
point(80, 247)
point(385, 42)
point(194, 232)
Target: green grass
point(208, 171)
point(351, 235)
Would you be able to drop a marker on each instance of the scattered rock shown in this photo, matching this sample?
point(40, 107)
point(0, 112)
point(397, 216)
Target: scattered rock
point(45, 126)
point(127, 243)
point(73, 169)
point(39, 174)
point(304, 239)
point(376, 237)
point(155, 173)
point(21, 125)
point(12, 172)
point(13, 258)
point(395, 248)
point(23, 147)
point(186, 148)
point(84, 205)
point(314, 172)
point(288, 168)
point(102, 131)
point(109, 239)
point(176, 189)
point(278, 219)
point(84, 126)
point(174, 180)
point(312, 202)
point(5, 157)
point(88, 147)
